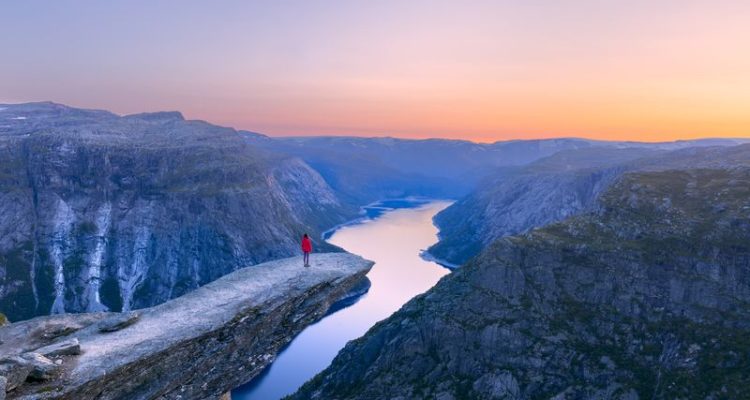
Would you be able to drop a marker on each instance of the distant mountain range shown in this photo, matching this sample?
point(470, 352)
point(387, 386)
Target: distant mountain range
point(368, 169)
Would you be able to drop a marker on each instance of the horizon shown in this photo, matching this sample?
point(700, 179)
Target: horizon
point(458, 139)
point(344, 135)
point(482, 72)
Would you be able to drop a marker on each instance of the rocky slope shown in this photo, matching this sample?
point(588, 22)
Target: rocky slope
point(647, 296)
point(101, 212)
point(515, 200)
point(197, 346)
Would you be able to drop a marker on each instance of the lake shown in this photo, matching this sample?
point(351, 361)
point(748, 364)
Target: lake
point(392, 234)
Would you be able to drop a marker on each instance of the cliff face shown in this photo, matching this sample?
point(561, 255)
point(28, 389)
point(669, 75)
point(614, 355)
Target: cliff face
point(647, 296)
point(516, 200)
point(197, 346)
point(100, 212)
point(568, 183)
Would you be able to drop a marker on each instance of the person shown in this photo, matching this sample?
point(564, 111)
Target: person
point(306, 249)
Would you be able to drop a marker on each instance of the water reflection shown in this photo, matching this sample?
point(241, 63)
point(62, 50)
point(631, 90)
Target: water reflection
point(393, 240)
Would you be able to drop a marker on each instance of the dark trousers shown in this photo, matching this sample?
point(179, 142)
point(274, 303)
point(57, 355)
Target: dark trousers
point(307, 257)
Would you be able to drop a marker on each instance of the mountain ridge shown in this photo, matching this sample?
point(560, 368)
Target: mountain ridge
point(515, 200)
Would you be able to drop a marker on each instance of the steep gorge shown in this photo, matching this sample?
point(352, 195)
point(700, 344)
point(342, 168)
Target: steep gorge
point(646, 296)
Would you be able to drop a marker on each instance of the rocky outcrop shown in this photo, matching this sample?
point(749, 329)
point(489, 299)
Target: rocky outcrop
point(647, 296)
point(516, 200)
point(100, 212)
point(197, 346)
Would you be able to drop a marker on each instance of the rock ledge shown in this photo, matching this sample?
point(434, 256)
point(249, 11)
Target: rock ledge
point(197, 346)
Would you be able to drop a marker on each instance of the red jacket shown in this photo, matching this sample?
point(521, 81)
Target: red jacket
point(306, 245)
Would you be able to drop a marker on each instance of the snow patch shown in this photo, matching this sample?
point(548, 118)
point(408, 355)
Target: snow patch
point(18, 118)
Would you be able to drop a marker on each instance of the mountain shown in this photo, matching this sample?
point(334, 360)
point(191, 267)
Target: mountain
point(370, 169)
point(103, 212)
point(515, 200)
point(645, 296)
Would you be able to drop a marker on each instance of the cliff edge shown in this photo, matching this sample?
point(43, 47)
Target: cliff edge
point(196, 346)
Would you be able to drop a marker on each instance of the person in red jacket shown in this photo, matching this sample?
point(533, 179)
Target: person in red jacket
point(306, 249)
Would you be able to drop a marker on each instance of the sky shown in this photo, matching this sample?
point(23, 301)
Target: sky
point(646, 70)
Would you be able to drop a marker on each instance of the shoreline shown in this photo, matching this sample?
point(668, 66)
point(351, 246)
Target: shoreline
point(379, 206)
point(427, 256)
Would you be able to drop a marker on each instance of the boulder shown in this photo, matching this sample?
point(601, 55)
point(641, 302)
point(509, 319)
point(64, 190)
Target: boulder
point(15, 370)
point(3, 384)
point(54, 331)
point(42, 367)
point(69, 347)
point(118, 321)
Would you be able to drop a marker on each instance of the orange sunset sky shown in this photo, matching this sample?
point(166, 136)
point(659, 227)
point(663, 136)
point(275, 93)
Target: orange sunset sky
point(477, 70)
